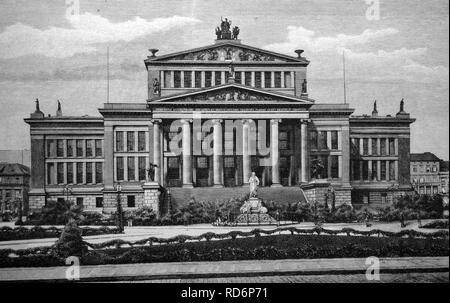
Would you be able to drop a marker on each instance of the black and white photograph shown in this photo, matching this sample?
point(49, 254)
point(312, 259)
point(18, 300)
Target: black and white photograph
point(233, 143)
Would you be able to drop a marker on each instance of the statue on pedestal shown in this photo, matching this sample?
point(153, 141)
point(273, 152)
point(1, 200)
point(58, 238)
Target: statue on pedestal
point(253, 182)
point(156, 86)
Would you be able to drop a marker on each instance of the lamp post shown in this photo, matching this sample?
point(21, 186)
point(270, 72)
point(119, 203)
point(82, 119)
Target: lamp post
point(19, 211)
point(119, 208)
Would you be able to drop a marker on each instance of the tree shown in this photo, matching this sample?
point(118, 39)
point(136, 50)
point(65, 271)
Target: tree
point(70, 243)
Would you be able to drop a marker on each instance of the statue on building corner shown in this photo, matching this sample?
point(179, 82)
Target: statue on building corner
point(37, 105)
point(304, 87)
point(402, 105)
point(235, 32)
point(156, 86)
point(218, 33)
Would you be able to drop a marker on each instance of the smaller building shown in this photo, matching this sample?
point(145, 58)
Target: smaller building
point(426, 174)
point(14, 187)
point(443, 177)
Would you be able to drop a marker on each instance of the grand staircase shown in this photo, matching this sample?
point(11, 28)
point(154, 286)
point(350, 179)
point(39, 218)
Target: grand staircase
point(283, 195)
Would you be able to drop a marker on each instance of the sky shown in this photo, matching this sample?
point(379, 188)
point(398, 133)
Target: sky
point(56, 50)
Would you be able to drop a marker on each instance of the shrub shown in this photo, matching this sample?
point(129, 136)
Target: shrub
point(71, 242)
point(143, 216)
point(57, 213)
point(437, 225)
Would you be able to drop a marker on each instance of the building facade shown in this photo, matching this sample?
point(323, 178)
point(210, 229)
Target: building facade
point(214, 115)
point(14, 187)
point(429, 174)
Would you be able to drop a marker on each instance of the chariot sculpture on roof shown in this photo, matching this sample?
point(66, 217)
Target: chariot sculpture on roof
point(225, 32)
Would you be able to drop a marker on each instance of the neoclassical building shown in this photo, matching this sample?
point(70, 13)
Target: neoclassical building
point(214, 115)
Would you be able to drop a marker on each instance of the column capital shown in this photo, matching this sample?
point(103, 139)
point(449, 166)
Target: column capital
point(186, 121)
point(155, 121)
point(305, 121)
point(275, 121)
point(217, 121)
point(247, 121)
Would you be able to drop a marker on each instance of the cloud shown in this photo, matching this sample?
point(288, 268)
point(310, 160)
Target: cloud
point(86, 31)
point(325, 52)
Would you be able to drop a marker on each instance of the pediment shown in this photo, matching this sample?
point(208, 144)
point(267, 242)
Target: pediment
point(233, 93)
point(227, 51)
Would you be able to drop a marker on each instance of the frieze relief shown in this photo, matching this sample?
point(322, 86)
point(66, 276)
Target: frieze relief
point(230, 95)
point(226, 53)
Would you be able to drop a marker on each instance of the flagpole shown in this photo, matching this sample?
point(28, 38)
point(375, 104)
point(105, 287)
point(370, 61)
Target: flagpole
point(345, 90)
point(107, 74)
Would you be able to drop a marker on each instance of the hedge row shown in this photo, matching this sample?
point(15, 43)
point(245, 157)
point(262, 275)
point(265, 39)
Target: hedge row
point(252, 248)
point(37, 232)
point(257, 232)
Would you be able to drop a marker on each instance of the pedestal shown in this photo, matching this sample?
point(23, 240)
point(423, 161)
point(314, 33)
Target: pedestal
point(151, 196)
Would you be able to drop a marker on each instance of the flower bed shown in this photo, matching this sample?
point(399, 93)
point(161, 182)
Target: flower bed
point(37, 232)
point(436, 225)
point(314, 243)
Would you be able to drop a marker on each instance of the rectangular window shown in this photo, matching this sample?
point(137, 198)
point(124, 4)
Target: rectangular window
point(334, 167)
point(51, 148)
point(383, 146)
point(141, 141)
point(391, 170)
point(325, 164)
point(334, 140)
point(70, 147)
point(284, 140)
point(130, 169)
point(98, 148)
point(267, 79)
point(313, 139)
point(167, 79)
point(80, 148)
point(365, 170)
point(277, 79)
point(287, 80)
point(130, 141)
point(391, 146)
point(98, 172)
point(119, 168)
point(357, 145)
point(365, 146)
point(80, 201)
point(89, 148)
point(257, 79)
point(131, 202)
point(177, 78)
point(208, 79)
point(60, 148)
point(356, 168)
point(248, 78)
point(60, 173)
point(98, 202)
point(69, 173)
point(187, 79)
point(119, 141)
point(374, 170)
point(198, 79)
point(79, 173)
point(173, 164)
point(60, 201)
point(374, 146)
point(50, 173)
point(238, 77)
point(89, 178)
point(142, 168)
point(218, 78)
point(323, 144)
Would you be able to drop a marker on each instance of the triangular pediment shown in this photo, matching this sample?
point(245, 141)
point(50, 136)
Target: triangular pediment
point(232, 93)
point(227, 51)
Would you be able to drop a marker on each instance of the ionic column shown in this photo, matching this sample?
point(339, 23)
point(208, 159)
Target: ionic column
point(304, 151)
point(246, 164)
point(217, 150)
point(263, 80)
point(274, 152)
point(157, 149)
point(182, 79)
point(252, 81)
point(187, 154)
point(282, 80)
